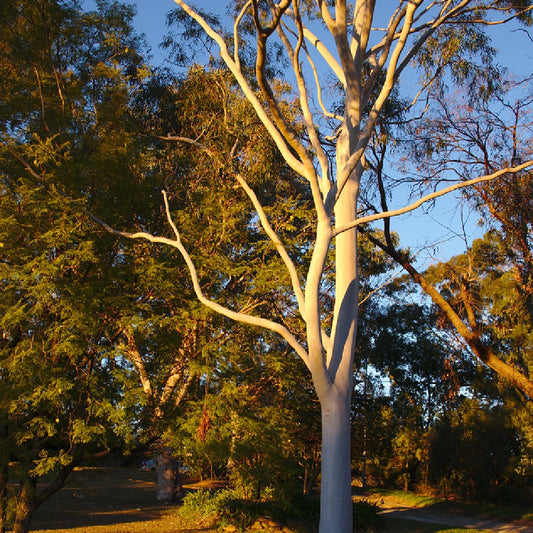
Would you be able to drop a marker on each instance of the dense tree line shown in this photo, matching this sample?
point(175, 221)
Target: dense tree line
point(104, 346)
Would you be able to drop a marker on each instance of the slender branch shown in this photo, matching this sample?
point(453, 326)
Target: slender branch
point(187, 140)
point(295, 279)
point(229, 313)
point(326, 113)
point(323, 184)
point(326, 54)
point(236, 56)
point(133, 351)
point(235, 69)
point(432, 196)
point(284, 127)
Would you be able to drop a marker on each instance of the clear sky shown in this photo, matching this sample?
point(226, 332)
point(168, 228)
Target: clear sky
point(419, 228)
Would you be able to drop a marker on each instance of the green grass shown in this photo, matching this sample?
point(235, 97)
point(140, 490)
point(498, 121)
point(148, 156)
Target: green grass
point(408, 498)
point(482, 510)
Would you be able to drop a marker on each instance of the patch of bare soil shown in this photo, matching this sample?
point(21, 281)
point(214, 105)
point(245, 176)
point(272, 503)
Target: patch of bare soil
point(110, 500)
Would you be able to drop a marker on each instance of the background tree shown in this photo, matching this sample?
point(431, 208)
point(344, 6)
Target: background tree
point(67, 77)
point(503, 285)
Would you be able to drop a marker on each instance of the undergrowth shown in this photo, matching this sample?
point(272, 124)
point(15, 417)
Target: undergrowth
point(226, 507)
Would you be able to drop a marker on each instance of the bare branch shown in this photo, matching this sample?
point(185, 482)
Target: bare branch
point(432, 196)
point(182, 139)
point(295, 279)
point(326, 54)
point(235, 69)
point(229, 313)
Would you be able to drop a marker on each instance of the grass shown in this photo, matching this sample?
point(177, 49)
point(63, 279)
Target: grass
point(113, 500)
point(482, 510)
point(410, 499)
point(397, 525)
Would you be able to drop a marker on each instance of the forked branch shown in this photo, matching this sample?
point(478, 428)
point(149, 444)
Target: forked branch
point(432, 196)
point(218, 308)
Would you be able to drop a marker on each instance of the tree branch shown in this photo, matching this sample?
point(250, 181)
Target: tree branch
point(235, 69)
point(432, 196)
point(229, 313)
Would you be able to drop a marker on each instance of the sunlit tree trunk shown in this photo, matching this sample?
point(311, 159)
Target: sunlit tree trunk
point(25, 506)
point(335, 495)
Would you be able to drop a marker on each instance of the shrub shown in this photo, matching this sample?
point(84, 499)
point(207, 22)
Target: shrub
point(227, 507)
point(366, 517)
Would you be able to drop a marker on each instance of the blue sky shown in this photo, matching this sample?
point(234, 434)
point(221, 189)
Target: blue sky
point(434, 229)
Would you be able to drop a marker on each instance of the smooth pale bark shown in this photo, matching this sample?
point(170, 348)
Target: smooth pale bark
point(335, 485)
point(336, 497)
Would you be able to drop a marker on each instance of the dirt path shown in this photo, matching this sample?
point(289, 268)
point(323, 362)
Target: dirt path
point(419, 514)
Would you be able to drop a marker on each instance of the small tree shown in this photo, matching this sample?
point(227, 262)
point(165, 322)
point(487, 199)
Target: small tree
point(326, 150)
point(67, 80)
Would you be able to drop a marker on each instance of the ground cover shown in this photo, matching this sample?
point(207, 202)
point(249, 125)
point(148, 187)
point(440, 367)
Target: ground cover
point(113, 500)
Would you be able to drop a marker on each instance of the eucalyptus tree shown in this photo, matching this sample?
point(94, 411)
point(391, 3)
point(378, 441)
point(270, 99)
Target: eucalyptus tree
point(367, 50)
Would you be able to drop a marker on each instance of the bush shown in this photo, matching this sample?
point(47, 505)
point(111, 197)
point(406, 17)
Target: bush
point(366, 518)
point(202, 503)
point(228, 508)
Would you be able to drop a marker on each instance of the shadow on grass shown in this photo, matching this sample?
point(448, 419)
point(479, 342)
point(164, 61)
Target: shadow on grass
point(102, 497)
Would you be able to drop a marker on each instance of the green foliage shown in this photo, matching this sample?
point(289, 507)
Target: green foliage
point(252, 425)
point(473, 452)
point(228, 507)
point(68, 75)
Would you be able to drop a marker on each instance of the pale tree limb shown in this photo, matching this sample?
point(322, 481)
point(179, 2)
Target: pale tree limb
point(234, 67)
point(432, 196)
point(327, 114)
point(229, 313)
point(372, 56)
point(317, 342)
point(326, 15)
point(269, 230)
point(274, 238)
point(236, 56)
point(443, 18)
point(286, 130)
point(323, 182)
point(348, 168)
point(362, 26)
point(326, 55)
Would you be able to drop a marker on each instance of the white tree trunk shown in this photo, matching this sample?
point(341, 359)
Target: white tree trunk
point(335, 495)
